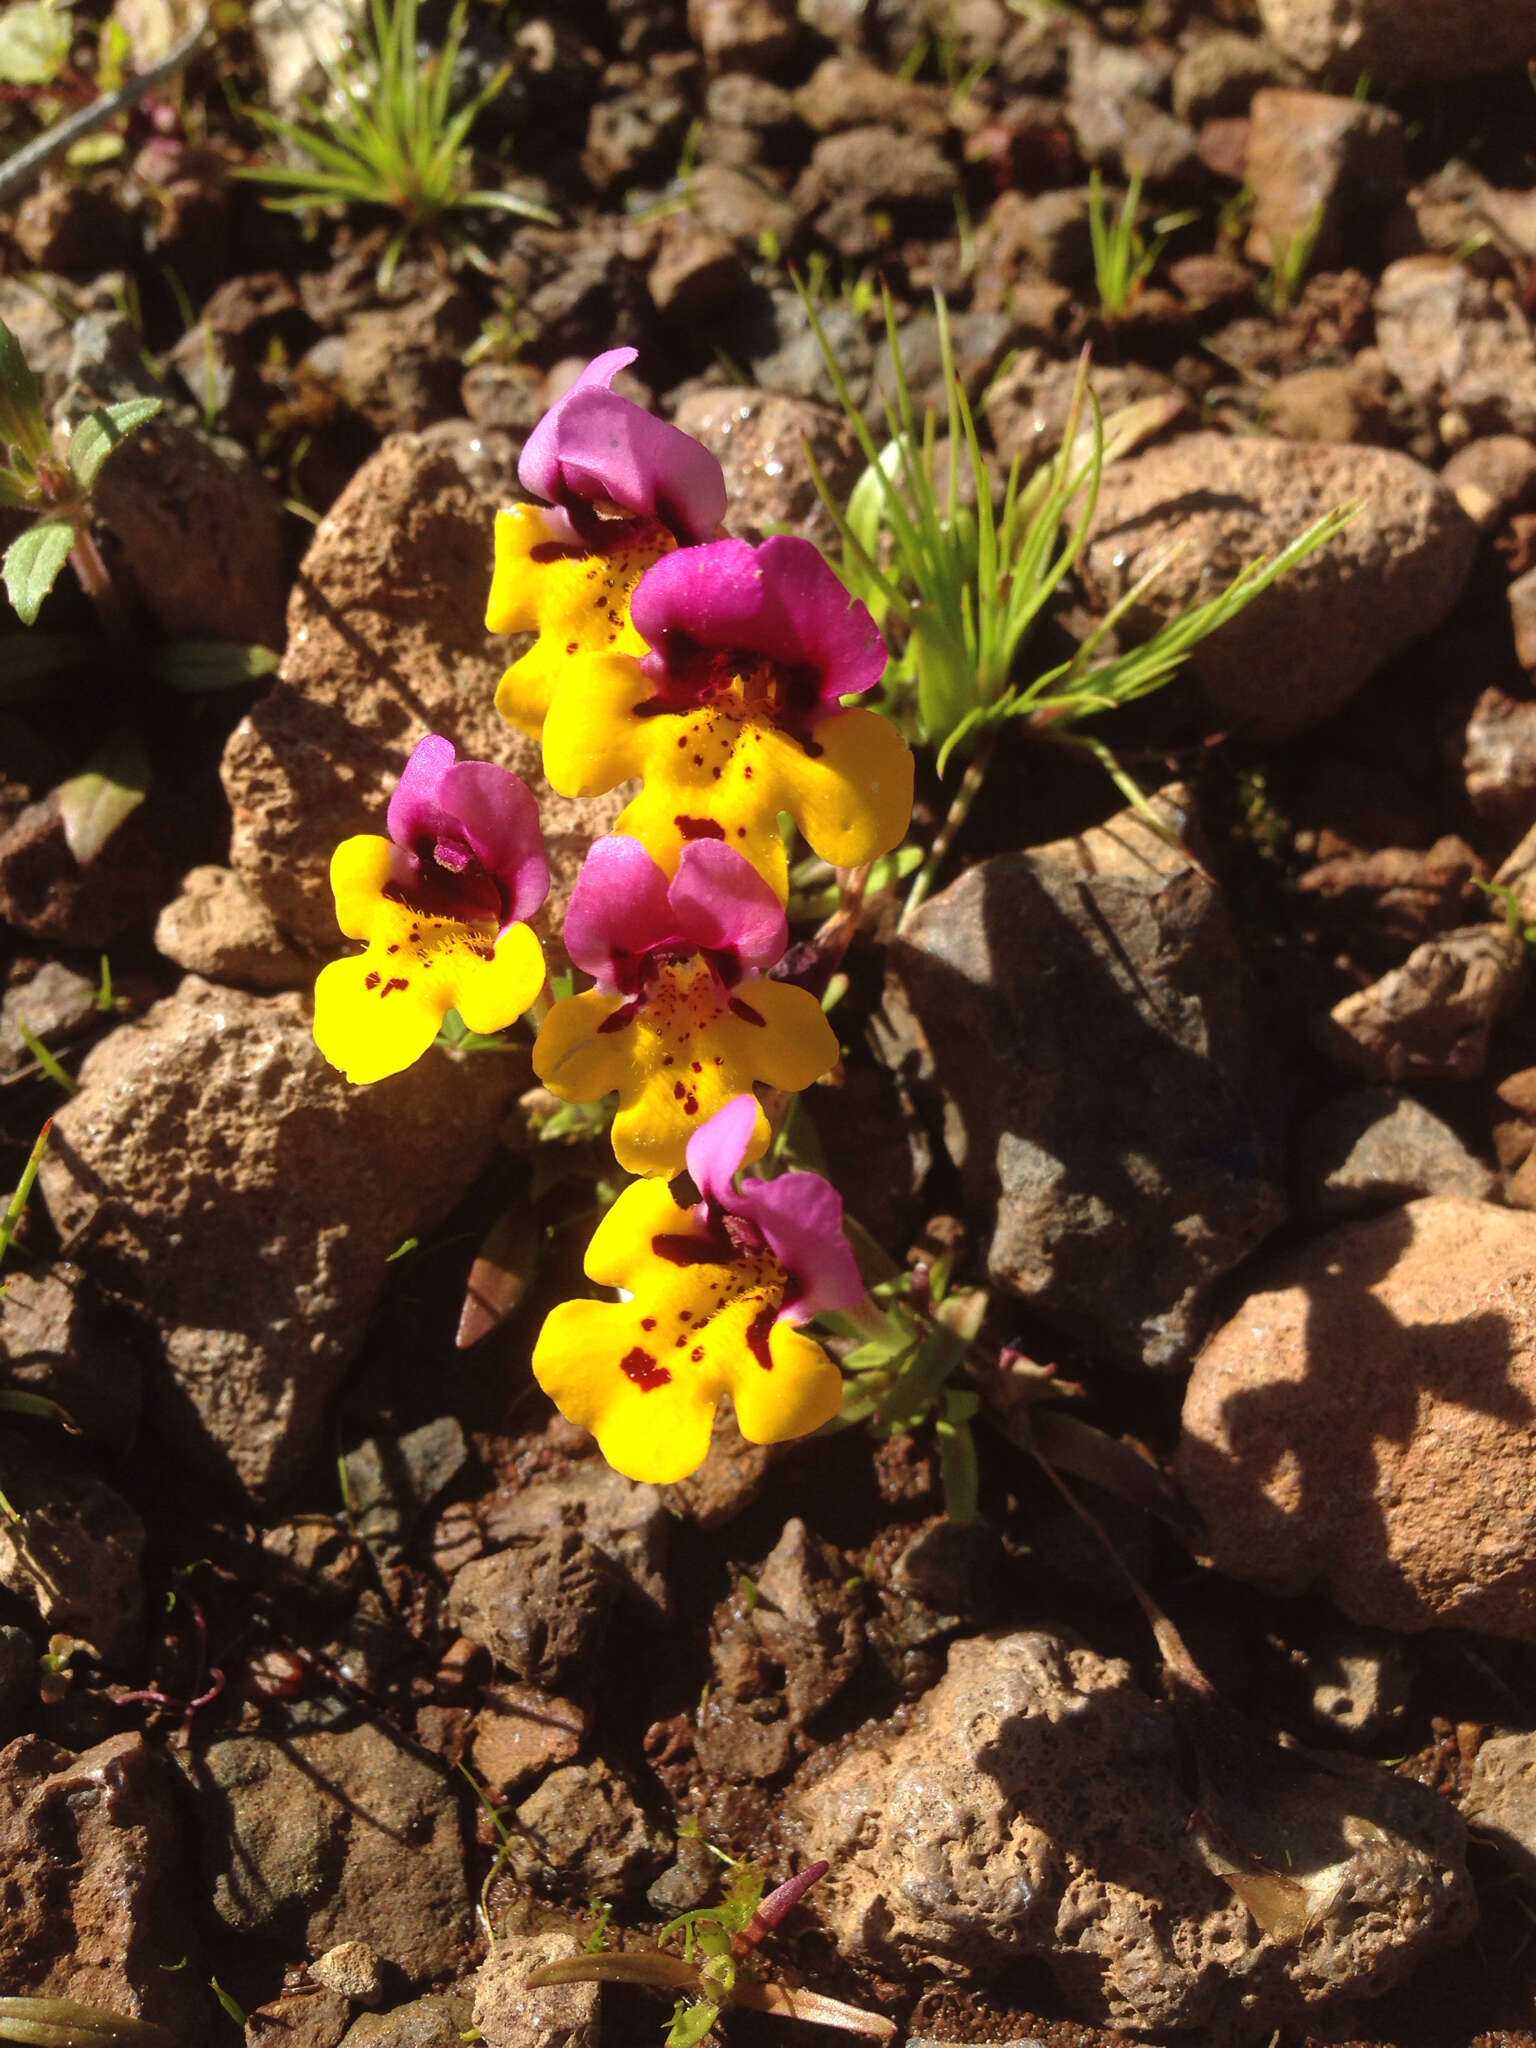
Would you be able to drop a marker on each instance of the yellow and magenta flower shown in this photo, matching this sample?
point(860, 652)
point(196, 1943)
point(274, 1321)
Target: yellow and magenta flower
point(440, 906)
point(624, 488)
point(715, 1294)
point(682, 1018)
point(736, 713)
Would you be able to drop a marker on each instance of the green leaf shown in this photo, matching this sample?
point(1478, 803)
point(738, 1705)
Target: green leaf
point(99, 433)
point(193, 666)
point(34, 43)
point(691, 2021)
point(108, 789)
point(32, 564)
point(21, 402)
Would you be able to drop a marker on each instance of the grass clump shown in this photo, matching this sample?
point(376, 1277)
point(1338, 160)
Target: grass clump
point(957, 573)
point(394, 141)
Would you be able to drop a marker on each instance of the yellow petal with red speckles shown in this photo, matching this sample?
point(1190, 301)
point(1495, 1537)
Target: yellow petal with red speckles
point(578, 603)
point(682, 1054)
point(378, 1012)
point(646, 1375)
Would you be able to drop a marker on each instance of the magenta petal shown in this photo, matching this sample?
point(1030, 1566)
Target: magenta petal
point(801, 1217)
point(781, 599)
point(469, 826)
point(415, 809)
point(721, 902)
point(497, 816)
point(717, 1148)
point(538, 468)
point(595, 445)
point(619, 911)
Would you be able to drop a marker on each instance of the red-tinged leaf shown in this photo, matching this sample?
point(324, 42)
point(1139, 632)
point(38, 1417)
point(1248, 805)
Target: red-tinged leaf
point(501, 1274)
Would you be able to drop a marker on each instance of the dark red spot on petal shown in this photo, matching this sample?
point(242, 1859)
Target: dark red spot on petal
point(699, 828)
point(642, 1369)
point(696, 1353)
point(647, 1322)
point(757, 1336)
point(396, 981)
point(746, 1012)
point(371, 981)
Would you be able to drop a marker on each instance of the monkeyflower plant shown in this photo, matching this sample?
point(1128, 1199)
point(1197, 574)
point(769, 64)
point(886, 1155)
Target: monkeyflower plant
point(715, 1293)
point(680, 1018)
point(726, 678)
point(441, 907)
point(623, 489)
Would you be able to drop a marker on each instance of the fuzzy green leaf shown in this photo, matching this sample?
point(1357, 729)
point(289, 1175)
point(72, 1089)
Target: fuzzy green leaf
point(32, 564)
point(99, 433)
point(108, 789)
point(21, 402)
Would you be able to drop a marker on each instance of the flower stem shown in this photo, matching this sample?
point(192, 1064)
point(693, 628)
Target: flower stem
point(95, 579)
point(959, 810)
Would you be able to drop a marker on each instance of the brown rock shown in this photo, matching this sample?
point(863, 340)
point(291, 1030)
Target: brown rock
point(1518, 873)
point(328, 1836)
point(55, 1004)
point(510, 2015)
point(1365, 1423)
point(850, 92)
point(627, 1522)
point(1378, 905)
point(742, 35)
point(1498, 762)
point(1500, 1803)
point(1035, 1808)
point(584, 1830)
point(46, 893)
point(521, 1732)
point(864, 184)
point(69, 225)
point(695, 273)
point(220, 1172)
point(1320, 165)
point(1376, 1149)
point(310, 2017)
point(386, 643)
point(93, 1902)
point(1493, 477)
point(1207, 505)
point(400, 365)
point(218, 929)
point(1454, 343)
point(1431, 1018)
point(1522, 617)
point(54, 1340)
point(1328, 404)
point(1113, 1211)
point(191, 520)
point(540, 1607)
point(74, 1553)
point(1028, 406)
point(1398, 42)
point(759, 439)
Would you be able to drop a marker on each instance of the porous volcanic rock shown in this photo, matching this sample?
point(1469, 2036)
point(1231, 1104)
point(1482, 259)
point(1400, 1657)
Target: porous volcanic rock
point(1431, 1018)
point(1035, 1807)
point(1452, 341)
point(220, 1173)
point(1086, 1008)
point(1210, 504)
point(1364, 1424)
point(74, 1551)
point(1322, 166)
point(510, 2015)
point(1402, 42)
point(759, 439)
point(386, 642)
point(216, 927)
point(335, 1835)
point(93, 1907)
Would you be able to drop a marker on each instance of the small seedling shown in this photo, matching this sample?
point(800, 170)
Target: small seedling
point(66, 2023)
point(1291, 260)
point(718, 1941)
point(56, 489)
point(1123, 259)
point(393, 140)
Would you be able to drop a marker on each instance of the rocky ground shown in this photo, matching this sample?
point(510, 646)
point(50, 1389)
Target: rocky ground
point(1238, 1125)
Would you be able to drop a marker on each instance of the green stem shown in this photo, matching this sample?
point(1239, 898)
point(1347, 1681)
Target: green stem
point(959, 810)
